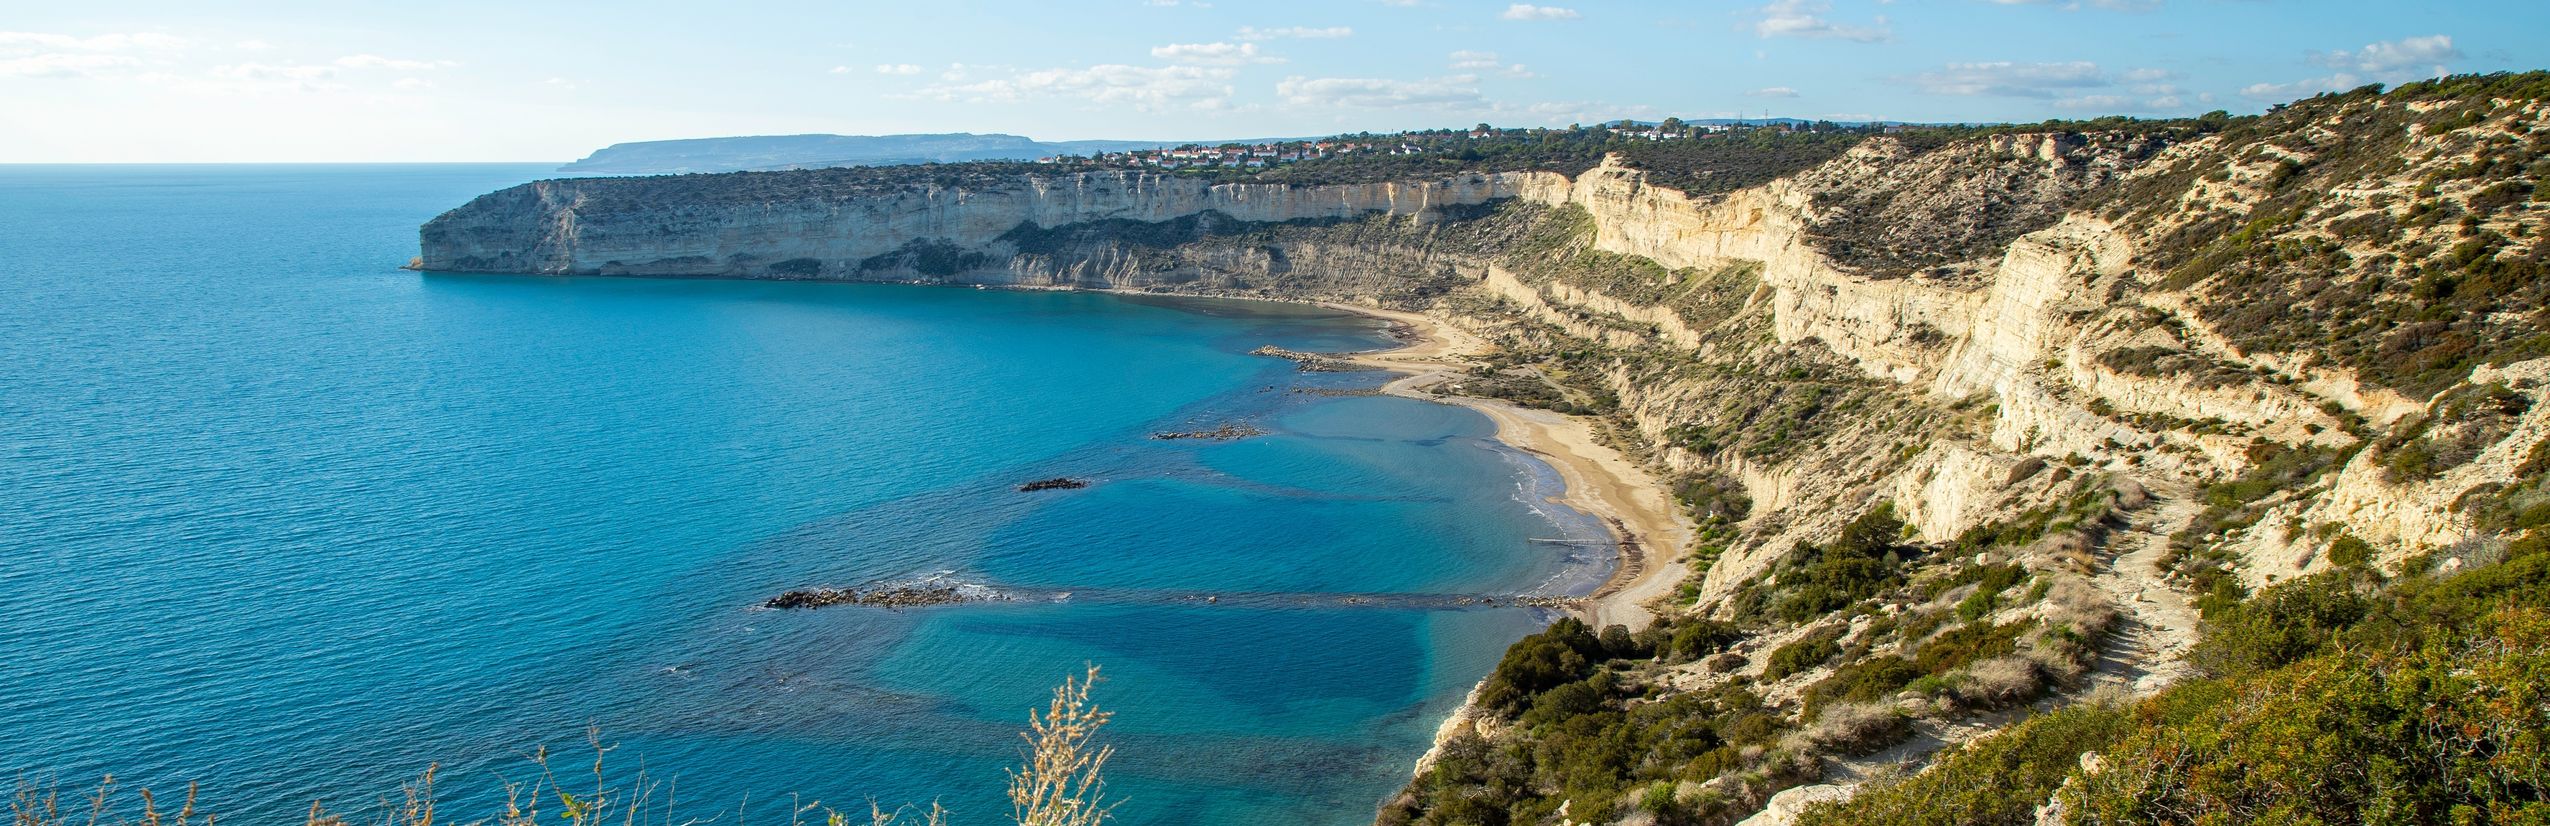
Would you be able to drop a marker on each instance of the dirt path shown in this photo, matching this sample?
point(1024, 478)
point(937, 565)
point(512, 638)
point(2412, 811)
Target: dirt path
point(2148, 650)
point(2156, 627)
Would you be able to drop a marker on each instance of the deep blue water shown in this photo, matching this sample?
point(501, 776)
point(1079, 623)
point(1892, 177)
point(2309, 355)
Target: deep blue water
point(284, 520)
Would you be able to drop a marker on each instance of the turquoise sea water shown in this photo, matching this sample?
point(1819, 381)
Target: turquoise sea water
point(281, 519)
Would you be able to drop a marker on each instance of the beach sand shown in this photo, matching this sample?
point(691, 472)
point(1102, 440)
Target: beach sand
point(1643, 517)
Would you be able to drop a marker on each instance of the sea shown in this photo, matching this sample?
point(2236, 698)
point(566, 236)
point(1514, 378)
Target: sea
point(286, 522)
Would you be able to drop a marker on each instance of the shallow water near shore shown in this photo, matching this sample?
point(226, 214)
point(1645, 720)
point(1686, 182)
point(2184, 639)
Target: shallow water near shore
point(291, 523)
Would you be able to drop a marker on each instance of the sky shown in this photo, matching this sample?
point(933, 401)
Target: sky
point(532, 80)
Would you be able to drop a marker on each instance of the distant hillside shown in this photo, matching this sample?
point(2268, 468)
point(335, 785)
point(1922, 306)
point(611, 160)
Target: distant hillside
point(768, 152)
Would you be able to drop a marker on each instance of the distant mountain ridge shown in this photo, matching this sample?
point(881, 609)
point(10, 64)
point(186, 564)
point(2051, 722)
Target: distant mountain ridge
point(766, 152)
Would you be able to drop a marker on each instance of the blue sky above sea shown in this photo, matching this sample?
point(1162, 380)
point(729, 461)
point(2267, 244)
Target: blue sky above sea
point(170, 81)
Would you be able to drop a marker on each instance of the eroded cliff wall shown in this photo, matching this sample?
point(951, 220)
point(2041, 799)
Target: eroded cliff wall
point(923, 231)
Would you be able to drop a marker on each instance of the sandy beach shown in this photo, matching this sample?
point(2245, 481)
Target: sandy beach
point(1649, 526)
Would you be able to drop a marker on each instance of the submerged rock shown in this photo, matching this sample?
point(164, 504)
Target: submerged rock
point(1311, 362)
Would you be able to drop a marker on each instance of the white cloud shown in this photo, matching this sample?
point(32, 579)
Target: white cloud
point(411, 84)
point(251, 78)
point(560, 84)
point(1381, 93)
point(2393, 56)
point(2006, 79)
point(899, 69)
point(118, 42)
point(1773, 92)
point(1476, 61)
point(51, 55)
point(1805, 18)
point(2120, 104)
point(59, 65)
point(373, 61)
point(1212, 54)
point(1144, 87)
point(2282, 92)
point(275, 71)
point(1527, 11)
point(2390, 61)
point(1571, 111)
point(1302, 32)
point(252, 45)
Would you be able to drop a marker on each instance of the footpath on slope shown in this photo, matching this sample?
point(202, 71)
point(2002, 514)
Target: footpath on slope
point(2148, 649)
point(1645, 522)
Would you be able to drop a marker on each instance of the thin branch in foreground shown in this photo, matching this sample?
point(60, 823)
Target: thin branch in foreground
point(1060, 783)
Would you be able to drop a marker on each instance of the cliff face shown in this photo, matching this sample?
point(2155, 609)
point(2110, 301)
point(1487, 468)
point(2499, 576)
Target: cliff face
point(960, 233)
point(2138, 366)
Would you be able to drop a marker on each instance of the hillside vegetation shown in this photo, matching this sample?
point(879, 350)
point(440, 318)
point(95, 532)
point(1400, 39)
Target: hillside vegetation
point(2368, 259)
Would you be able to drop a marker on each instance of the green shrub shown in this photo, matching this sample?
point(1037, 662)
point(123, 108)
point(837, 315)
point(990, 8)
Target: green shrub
point(1561, 654)
point(1814, 580)
point(2280, 625)
point(1572, 700)
point(1806, 652)
point(1968, 643)
point(1869, 680)
point(1693, 638)
point(2453, 732)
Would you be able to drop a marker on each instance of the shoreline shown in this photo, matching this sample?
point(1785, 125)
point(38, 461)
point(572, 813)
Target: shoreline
point(1597, 480)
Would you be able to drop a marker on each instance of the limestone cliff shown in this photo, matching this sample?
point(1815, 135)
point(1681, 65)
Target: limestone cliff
point(727, 225)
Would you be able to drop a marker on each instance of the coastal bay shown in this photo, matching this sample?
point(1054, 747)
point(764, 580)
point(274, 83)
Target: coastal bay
point(443, 519)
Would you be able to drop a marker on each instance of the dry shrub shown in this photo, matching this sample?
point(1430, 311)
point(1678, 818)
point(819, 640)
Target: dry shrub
point(41, 805)
point(1857, 728)
point(2075, 604)
point(1999, 682)
point(2069, 549)
point(1060, 784)
point(2130, 495)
